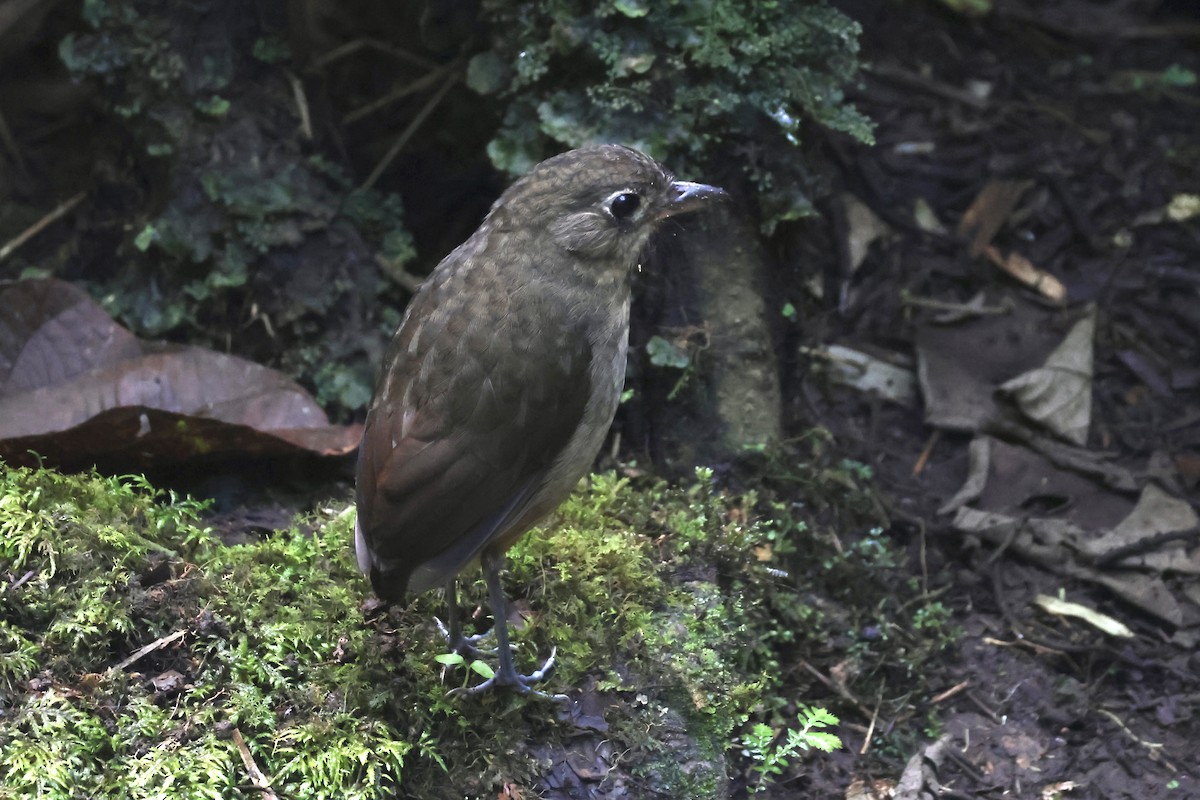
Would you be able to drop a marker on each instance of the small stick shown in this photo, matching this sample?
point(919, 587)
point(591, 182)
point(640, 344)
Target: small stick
point(11, 144)
point(150, 648)
point(306, 130)
point(840, 690)
point(424, 82)
point(256, 775)
point(1006, 306)
point(349, 48)
point(403, 138)
point(953, 690)
point(866, 745)
point(923, 459)
point(37, 227)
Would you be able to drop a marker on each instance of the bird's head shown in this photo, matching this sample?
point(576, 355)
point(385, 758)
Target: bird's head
point(600, 202)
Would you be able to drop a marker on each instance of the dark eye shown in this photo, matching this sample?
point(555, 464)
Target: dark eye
point(624, 205)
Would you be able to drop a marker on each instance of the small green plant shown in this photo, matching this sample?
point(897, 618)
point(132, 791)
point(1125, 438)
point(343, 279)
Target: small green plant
point(769, 754)
point(934, 621)
point(480, 668)
point(682, 80)
point(679, 353)
point(237, 246)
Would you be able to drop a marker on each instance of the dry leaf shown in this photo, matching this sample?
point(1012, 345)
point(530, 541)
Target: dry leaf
point(78, 389)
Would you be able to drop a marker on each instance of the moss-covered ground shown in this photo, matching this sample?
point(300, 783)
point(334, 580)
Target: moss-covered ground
point(670, 613)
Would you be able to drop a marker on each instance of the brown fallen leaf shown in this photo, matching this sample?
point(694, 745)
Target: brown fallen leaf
point(78, 389)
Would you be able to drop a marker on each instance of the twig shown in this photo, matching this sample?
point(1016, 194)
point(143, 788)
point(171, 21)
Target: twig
point(953, 690)
point(150, 648)
point(10, 143)
point(983, 707)
point(1005, 307)
point(37, 227)
point(1115, 28)
point(256, 775)
point(866, 745)
point(923, 459)
point(408, 132)
point(406, 280)
point(424, 82)
point(306, 130)
point(349, 48)
point(1154, 749)
point(841, 691)
point(1145, 545)
point(920, 82)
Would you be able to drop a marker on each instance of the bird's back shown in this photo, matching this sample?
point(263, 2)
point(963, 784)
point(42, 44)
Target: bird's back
point(475, 430)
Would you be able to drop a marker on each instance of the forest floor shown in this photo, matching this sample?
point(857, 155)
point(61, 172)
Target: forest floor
point(996, 317)
point(1066, 131)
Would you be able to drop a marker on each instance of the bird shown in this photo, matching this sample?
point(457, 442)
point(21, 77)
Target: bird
point(501, 382)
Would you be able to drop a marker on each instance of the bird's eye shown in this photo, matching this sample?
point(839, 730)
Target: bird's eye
point(624, 205)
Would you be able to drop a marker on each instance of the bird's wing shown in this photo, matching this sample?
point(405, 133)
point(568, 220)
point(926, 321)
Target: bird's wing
point(446, 467)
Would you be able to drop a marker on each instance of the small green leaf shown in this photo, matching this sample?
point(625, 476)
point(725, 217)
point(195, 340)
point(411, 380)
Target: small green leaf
point(487, 73)
point(1177, 76)
point(271, 50)
point(449, 659)
point(481, 668)
point(147, 237)
point(215, 106)
point(632, 8)
point(789, 312)
point(664, 353)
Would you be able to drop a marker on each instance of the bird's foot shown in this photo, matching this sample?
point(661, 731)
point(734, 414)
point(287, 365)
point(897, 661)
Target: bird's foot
point(522, 684)
point(465, 646)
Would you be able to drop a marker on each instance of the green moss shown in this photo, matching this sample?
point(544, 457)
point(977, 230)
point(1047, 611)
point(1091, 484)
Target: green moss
point(653, 595)
point(630, 583)
point(264, 624)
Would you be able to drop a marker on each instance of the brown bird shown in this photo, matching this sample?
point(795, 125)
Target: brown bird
point(500, 385)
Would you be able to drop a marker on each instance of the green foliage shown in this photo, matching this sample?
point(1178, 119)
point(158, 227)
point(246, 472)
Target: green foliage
point(665, 353)
point(681, 354)
point(826, 535)
point(690, 82)
point(768, 756)
point(1152, 83)
point(246, 240)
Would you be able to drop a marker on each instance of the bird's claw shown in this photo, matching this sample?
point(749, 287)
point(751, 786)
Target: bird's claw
point(465, 645)
point(522, 684)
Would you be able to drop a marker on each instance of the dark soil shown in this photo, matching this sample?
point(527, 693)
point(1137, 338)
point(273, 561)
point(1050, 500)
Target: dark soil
point(1031, 704)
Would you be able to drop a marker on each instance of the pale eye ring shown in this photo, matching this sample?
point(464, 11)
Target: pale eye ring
point(624, 206)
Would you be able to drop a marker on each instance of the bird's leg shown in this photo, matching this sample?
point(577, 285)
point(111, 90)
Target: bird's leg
point(465, 646)
point(506, 673)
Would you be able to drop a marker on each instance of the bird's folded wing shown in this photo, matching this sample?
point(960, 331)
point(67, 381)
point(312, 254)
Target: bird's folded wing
point(442, 475)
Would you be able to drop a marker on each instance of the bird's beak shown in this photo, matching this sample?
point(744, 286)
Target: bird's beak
point(687, 196)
